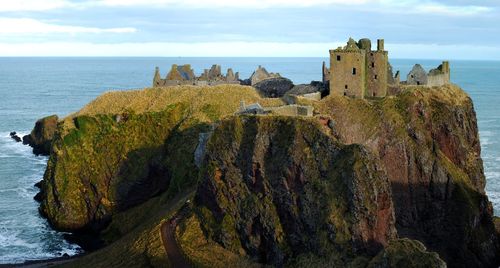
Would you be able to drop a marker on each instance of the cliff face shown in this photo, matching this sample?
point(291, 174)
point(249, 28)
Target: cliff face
point(280, 187)
point(427, 140)
point(333, 190)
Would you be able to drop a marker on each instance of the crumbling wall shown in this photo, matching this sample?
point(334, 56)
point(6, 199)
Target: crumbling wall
point(417, 76)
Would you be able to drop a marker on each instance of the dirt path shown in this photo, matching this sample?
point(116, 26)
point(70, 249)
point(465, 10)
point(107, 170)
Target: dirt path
point(171, 247)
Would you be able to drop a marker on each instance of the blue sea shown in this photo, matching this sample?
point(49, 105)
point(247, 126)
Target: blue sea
point(31, 88)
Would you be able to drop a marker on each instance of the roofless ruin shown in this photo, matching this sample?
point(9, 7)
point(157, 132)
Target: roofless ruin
point(355, 70)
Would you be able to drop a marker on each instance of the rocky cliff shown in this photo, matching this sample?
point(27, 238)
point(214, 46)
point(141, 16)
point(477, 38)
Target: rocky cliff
point(358, 184)
point(41, 136)
point(278, 187)
point(427, 140)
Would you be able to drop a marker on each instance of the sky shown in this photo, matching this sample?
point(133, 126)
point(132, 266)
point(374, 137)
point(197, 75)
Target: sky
point(424, 29)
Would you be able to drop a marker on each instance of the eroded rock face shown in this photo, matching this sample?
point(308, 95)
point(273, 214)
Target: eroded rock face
point(41, 136)
point(427, 140)
point(277, 187)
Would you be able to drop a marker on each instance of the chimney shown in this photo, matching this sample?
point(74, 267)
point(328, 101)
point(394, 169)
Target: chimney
point(380, 44)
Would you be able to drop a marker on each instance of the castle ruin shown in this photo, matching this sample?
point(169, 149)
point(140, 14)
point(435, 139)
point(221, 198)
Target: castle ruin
point(355, 70)
point(435, 77)
point(358, 71)
point(184, 75)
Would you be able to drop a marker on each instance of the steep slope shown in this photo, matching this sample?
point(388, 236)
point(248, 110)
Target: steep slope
point(278, 187)
point(428, 142)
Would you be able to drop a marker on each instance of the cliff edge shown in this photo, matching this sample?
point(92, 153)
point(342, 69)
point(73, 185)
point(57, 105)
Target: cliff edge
point(373, 183)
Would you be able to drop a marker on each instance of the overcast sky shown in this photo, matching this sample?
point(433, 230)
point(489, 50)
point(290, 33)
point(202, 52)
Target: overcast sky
point(460, 29)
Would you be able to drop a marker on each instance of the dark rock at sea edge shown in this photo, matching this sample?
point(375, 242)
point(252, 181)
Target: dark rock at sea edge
point(38, 197)
point(39, 184)
point(40, 138)
point(87, 240)
point(15, 137)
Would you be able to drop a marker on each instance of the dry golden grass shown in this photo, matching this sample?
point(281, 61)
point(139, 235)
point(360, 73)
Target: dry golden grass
point(227, 97)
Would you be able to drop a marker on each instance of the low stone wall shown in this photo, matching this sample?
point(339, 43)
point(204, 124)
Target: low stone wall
point(292, 110)
point(437, 80)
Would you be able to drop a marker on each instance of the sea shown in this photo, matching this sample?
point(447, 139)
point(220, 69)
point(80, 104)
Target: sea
point(31, 88)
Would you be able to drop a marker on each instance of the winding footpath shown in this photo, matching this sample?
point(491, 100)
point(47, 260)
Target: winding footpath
point(171, 247)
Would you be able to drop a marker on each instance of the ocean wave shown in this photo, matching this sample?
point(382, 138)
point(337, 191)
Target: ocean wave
point(8, 237)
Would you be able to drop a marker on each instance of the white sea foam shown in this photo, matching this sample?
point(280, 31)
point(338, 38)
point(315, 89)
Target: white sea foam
point(24, 235)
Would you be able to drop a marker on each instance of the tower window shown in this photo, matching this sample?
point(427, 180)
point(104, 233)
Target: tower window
point(376, 77)
point(373, 64)
point(338, 57)
point(345, 86)
point(353, 71)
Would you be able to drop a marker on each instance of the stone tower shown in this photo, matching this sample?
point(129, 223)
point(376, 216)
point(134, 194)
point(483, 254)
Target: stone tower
point(347, 70)
point(358, 71)
point(377, 64)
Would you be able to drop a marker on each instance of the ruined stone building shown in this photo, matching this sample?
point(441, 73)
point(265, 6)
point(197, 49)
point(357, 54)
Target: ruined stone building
point(436, 77)
point(184, 75)
point(358, 71)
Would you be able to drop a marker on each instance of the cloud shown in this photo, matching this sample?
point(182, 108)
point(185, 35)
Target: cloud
point(429, 7)
point(434, 8)
point(32, 5)
point(240, 49)
point(32, 26)
point(231, 3)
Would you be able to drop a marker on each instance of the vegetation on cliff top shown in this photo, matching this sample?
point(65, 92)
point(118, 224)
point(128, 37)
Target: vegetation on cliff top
point(122, 158)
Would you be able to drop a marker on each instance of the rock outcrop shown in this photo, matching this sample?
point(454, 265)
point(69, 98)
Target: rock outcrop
point(406, 253)
point(13, 135)
point(41, 136)
point(280, 187)
point(274, 87)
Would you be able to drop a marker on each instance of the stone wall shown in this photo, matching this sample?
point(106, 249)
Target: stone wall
point(292, 110)
point(376, 66)
point(347, 70)
point(438, 80)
